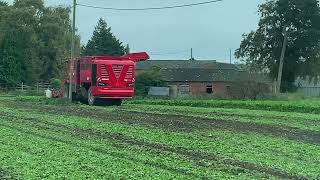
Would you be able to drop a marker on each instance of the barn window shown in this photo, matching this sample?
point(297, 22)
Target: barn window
point(209, 89)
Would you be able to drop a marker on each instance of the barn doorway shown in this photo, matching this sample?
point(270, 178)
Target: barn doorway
point(209, 89)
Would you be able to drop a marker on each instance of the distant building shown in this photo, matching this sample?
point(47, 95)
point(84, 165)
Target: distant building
point(194, 78)
point(308, 87)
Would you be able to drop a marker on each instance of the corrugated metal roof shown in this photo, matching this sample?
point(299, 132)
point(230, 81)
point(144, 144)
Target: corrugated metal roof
point(183, 64)
point(195, 71)
point(198, 75)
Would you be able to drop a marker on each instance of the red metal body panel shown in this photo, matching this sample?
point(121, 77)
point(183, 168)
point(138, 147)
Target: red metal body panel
point(113, 76)
point(85, 70)
point(110, 93)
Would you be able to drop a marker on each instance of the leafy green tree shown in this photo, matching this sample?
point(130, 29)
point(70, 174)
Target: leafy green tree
point(10, 68)
point(55, 38)
point(262, 48)
point(24, 19)
point(3, 3)
point(103, 42)
point(34, 41)
point(36, 4)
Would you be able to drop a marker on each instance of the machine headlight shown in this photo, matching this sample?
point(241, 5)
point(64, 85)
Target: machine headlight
point(102, 84)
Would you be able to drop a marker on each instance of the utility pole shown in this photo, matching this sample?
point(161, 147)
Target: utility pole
point(72, 49)
point(191, 58)
point(283, 52)
point(230, 56)
point(127, 50)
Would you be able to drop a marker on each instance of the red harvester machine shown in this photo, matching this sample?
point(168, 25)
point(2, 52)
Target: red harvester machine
point(107, 79)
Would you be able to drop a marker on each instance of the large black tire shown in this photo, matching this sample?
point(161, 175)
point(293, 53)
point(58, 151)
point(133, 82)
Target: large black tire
point(83, 95)
point(117, 102)
point(106, 102)
point(91, 99)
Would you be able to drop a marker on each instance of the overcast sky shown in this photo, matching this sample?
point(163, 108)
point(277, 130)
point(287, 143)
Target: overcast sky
point(211, 30)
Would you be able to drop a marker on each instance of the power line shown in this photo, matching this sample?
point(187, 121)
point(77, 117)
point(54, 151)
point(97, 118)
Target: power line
point(149, 8)
point(170, 53)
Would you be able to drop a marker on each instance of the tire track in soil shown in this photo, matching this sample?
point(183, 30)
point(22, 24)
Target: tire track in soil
point(197, 156)
point(187, 123)
point(236, 116)
point(181, 123)
point(232, 115)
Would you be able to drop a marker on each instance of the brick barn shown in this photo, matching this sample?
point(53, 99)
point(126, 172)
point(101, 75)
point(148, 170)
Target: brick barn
point(194, 77)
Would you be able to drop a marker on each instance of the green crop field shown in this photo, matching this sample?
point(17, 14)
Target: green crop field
point(159, 139)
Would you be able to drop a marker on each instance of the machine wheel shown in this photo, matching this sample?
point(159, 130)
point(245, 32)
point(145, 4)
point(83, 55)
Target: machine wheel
point(91, 99)
point(83, 95)
point(117, 102)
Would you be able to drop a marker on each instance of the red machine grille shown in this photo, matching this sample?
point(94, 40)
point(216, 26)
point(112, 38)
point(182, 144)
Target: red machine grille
point(117, 69)
point(104, 72)
point(129, 74)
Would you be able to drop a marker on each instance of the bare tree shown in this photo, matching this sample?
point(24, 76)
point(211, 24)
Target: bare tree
point(250, 85)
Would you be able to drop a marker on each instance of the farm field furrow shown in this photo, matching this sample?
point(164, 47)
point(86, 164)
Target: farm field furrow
point(50, 141)
point(310, 106)
point(290, 119)
point(188, 120)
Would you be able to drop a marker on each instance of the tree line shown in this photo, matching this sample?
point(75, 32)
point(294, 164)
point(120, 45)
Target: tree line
point(35, 42)
point(261, 49)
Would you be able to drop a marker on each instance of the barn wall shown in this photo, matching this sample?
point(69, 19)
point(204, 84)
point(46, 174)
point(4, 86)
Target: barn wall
point(199, 88)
